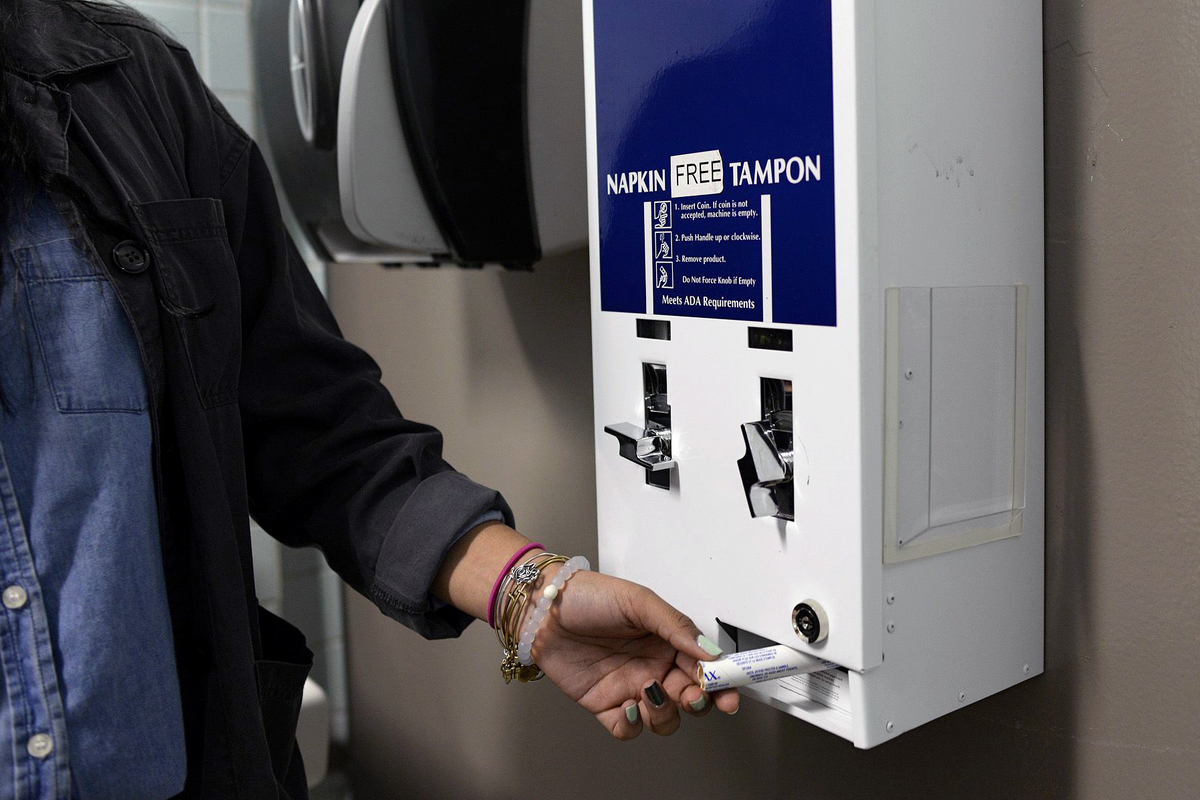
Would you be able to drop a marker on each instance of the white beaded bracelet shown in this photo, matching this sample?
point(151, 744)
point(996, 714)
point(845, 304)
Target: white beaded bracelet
point(552, 590)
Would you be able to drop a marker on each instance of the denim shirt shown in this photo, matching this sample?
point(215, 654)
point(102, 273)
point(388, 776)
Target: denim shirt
point(90, 704)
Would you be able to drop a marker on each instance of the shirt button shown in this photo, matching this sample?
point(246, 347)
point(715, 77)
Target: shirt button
point(40, 745)
point(131, 257)
point(14, 597)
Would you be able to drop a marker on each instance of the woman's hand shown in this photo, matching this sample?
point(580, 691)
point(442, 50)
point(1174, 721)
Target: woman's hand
point(616, 648)
point(606, 642)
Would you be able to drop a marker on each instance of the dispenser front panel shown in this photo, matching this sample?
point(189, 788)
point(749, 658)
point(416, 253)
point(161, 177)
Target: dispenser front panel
point(726, 269)
point(705, 210)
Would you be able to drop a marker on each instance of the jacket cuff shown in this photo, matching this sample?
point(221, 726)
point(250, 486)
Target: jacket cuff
point(443, 507)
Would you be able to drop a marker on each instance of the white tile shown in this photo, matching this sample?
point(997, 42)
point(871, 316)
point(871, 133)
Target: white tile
point(302, 562)
point(228, 48)
point(302, 605)
point(331, 602)
point(181, 20)
point(240, 108)
point(268, 575)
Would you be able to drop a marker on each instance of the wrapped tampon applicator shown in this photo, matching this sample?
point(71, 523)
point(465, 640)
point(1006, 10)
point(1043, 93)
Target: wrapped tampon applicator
point(756, 666)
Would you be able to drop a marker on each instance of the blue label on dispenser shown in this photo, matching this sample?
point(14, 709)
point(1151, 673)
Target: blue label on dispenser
point(714, 127)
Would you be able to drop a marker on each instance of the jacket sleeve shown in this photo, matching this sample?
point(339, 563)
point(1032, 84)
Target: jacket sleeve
point(330, 460)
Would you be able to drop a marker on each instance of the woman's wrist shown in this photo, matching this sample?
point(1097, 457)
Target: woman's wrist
point(542, 618)
point(535, 590)
point(469, 570)
point(509, 570)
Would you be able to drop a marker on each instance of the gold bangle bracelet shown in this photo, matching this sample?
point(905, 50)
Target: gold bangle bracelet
point(517, 577)
point(519, 598)
point(512, 610)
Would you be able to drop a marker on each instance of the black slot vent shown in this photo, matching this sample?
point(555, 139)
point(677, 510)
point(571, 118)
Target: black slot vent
point(771, 339)
point(654, 329)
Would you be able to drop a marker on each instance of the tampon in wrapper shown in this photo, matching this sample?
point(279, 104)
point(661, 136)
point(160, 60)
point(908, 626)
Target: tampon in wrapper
point(756, 666)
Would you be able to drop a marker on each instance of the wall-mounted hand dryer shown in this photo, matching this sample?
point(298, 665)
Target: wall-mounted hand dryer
point(428, 131)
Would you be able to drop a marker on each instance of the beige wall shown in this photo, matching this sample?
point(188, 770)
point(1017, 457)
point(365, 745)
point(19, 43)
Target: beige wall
point(501, 363)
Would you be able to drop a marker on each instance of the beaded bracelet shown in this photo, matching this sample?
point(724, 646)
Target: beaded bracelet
point(510, 604)
point(552, 590)
point(512, 609)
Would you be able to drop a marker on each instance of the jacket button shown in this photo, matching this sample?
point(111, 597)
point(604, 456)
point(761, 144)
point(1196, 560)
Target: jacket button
point(40, 745)
point(131, 257)
point(14, 597)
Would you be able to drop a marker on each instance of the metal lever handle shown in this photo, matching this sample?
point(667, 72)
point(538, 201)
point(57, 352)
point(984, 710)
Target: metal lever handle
point(648, 448)
point(767, 467)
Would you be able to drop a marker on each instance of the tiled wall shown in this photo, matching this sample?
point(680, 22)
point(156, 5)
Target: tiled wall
point(217, 32)
point(296, 584)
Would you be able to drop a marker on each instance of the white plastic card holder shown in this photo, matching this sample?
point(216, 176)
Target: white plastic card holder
point(954, 424)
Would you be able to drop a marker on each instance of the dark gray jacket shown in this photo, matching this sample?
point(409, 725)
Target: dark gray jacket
point(259, 405)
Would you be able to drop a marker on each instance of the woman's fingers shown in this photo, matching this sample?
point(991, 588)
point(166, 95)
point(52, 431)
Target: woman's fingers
point(672, 625)
point(660, 703)
point(662, 715)
point(726, 700)
point(682, 689)
point(623, 723)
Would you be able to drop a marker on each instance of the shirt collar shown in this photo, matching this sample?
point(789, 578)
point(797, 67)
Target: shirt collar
point(59, 38)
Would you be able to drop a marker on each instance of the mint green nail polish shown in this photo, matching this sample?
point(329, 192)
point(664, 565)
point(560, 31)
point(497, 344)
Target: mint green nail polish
point(698, 704)
point(631, 713)
point(708, 645)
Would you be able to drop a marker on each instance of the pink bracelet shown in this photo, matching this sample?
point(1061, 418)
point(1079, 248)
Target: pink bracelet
point(500, 578)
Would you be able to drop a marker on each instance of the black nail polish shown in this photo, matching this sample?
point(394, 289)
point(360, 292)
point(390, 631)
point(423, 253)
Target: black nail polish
point(654, 693)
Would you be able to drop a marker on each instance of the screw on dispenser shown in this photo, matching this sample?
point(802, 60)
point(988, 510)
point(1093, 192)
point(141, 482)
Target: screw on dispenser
point(810, 621)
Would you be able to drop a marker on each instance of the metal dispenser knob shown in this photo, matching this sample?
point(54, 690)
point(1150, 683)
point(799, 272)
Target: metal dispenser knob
point(650, 446)
point(767, 467)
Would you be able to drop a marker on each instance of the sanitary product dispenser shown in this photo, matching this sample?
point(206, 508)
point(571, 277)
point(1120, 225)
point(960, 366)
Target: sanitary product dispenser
point(817, 319)
point(426, 131)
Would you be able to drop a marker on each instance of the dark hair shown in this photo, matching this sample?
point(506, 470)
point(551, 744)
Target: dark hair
point(18, 156)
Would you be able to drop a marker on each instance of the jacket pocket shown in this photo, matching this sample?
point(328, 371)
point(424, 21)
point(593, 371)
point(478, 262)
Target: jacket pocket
point(281, 675)
point(198, 285)
point(87, 345)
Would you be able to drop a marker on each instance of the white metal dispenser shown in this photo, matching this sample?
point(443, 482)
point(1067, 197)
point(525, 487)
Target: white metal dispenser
point(817, 316)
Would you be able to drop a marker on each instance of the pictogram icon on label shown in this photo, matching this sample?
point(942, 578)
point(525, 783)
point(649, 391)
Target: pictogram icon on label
point(664, 277)
point(662, 215)
point(662, 245)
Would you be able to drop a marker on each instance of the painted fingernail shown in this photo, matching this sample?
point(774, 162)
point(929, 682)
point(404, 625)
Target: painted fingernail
point(708, 645)
point(631, 713)
point(698, 704)
point(655, 694)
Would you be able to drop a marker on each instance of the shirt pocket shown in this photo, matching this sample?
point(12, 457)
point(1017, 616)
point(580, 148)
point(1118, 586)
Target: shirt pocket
point(87, 345)
point(198, 284)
